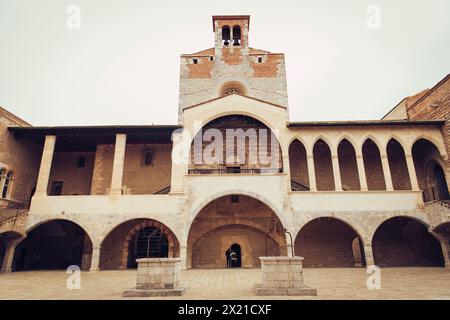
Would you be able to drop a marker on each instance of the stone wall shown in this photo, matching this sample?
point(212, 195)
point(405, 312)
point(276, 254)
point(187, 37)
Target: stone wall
point(22, 157)
point(76, 180)
point(137, 177)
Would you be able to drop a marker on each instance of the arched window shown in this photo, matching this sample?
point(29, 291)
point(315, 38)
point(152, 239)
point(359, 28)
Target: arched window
point(2, 179)
point(226, 35)
point(232, 87)
point(236, 36)
point(6, 184)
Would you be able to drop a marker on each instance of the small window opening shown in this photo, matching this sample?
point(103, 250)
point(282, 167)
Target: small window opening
point(259, 59)
point(81, 162)
point(211, 58)
point(195, 61)
point(148, 158)
point(57, 187)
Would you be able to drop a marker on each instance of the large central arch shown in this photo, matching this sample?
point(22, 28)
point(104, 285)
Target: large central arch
point(234, 219)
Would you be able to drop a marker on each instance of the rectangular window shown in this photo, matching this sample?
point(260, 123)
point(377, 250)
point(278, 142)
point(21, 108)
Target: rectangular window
point(195, 61)
point(81, 162)
point(147, 158)
point(57, 187)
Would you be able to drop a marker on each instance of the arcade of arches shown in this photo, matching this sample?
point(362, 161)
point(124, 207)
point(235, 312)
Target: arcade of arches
point(239, 222)
point(320, 167)
point(234, 220)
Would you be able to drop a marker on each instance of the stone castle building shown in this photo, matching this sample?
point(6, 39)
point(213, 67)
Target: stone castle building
point(349, 193)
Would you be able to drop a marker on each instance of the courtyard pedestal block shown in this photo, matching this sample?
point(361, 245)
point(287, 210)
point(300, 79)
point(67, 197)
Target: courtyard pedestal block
point(283, 276)
point(157, 277)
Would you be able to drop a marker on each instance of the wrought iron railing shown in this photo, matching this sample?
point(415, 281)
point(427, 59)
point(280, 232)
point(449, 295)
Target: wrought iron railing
point(295, 186)
point(236, 171)
point(166, 190)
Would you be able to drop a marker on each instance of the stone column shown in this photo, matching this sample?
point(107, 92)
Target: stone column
point(361, 172)
point(386, 172)
point(180, 162)
point(368, 254)
point(444, 240)
point(311, 173)
point(119, 159)
point(412, 172)
point(8, 260)
point(46, 166)
point(336, 172)
point(183, 257)
point(95, 262)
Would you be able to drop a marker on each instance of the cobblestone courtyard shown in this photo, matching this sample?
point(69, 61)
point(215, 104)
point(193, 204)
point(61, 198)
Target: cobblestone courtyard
point(396, 283)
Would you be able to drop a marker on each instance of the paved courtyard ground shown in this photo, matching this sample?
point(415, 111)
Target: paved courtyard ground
point(396, 283)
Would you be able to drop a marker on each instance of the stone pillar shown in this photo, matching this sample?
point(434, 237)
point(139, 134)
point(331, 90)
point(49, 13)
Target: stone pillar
point(180, 161)
point(368, 254)
point(8, 260)
point(386, 172)
point(289, 247)
point(46, 166)
point(336, 172)
point(445, 245)
point(95, 262)
point(157, 277)
point(444, 240)
point(183, 257)
point(361, 172)
point(311, 173)
point(412, 172)
point(283, 276)
point(119, 159)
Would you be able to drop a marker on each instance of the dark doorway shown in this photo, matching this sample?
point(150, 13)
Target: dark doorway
point(2, 253)
point(157, 248)
point(53, 245)
point(440, 187)
point(404, 242)
point(238, 262)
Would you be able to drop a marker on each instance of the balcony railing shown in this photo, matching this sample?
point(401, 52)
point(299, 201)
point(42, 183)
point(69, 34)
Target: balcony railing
point(295, 186)
point(236, 171)
point(166, 190)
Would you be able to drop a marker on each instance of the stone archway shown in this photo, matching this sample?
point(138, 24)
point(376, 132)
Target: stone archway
point(52, 245)
point(118, 249)
point(234, 219)
point(406, 242)
point(329, 242)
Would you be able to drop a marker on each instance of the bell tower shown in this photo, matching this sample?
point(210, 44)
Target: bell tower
point(231, 34)
point(232, 67)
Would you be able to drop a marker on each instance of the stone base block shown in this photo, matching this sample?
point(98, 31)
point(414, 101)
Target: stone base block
point(260, 290)
point(139, 293)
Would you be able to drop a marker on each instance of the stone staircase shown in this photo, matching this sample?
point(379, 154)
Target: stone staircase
point(12, 220)
point(438, 212)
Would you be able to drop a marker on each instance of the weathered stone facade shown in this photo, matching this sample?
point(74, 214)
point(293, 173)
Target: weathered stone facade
point(343, 190)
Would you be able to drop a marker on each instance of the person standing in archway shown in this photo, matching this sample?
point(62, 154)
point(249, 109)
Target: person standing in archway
point(227, 254)
point(233, 258)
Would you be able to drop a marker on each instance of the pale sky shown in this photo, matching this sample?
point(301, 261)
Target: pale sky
point(122, 66)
